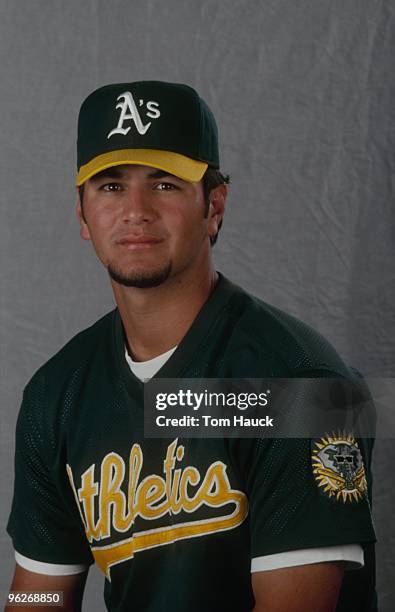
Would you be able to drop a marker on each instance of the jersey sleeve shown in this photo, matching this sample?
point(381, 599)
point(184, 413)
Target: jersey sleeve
point(352, 554)
point(49, 569)
point(44, 523)
point(302, 497)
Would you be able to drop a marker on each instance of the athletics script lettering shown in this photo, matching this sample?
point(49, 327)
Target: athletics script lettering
point(181, 489)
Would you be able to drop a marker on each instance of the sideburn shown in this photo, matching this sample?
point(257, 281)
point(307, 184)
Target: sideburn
point(81, 190)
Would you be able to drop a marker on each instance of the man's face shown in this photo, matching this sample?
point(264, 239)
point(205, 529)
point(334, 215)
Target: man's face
point(146, 225)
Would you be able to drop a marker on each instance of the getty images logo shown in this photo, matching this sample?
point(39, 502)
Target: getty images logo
point(129, 110)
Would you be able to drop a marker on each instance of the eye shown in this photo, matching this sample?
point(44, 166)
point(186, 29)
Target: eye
point(165, 186)
point(111, 187)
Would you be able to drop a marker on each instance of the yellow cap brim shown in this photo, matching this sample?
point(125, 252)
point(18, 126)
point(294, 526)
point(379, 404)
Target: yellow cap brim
point(183, 167)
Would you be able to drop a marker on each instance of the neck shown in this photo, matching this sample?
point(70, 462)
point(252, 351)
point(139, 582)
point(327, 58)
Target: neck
point(156, 319)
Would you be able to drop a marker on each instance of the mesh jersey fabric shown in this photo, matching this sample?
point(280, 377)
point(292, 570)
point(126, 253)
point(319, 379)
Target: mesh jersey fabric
point(164, 534)
point(351, 553)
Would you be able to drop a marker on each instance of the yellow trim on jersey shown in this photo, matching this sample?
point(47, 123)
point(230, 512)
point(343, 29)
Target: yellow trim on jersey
point(107, 556)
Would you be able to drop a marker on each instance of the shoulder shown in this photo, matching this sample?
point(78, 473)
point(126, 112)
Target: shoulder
point(75, 356)
point(301, 348)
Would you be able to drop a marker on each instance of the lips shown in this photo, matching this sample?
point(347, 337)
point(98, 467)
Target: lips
point(132, 241)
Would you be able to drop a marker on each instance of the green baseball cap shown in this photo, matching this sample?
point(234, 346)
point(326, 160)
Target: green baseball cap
point(164, 125)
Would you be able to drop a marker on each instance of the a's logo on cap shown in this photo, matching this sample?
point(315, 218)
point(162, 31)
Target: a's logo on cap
point(129, 110)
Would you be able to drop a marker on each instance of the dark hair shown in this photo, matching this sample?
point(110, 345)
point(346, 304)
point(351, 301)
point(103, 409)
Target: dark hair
point(212, 178)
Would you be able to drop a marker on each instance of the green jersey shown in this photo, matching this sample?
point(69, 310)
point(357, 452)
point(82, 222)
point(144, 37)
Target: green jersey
point(175, 524)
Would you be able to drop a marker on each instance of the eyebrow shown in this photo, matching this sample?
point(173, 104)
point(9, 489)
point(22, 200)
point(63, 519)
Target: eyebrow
point(116, 173)
point(112, 173)
point(157, 174)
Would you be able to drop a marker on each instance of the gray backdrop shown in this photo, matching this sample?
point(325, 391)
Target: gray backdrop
point(305, 99)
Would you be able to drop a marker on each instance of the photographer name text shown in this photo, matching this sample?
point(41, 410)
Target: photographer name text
point(210, 421)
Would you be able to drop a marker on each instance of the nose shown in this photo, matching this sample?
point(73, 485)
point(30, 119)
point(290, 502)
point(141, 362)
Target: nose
point(137, 208)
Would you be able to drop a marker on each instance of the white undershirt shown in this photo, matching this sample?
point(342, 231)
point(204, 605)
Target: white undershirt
point(144, 370)
point(351, 553)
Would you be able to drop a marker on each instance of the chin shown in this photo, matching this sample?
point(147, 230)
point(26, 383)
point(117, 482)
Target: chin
point(142, 279)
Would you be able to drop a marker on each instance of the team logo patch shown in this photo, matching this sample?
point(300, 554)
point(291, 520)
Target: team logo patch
point(338, 468)
point(130, 112)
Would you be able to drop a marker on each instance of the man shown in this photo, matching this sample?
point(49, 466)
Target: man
point(179, 524)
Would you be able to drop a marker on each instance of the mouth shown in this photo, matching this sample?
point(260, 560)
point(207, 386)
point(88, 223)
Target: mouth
point(134, 243)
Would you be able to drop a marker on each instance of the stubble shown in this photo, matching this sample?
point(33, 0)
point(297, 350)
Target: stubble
point(142, 280)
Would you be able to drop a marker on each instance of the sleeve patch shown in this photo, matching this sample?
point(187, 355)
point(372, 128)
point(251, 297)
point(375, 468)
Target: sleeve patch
point(338, 468)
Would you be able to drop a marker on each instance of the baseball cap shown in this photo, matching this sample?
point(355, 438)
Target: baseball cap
point(164, 125)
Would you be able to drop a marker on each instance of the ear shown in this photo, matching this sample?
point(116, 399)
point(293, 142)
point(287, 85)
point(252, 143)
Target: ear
point(84, 230)
point(217, 201)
